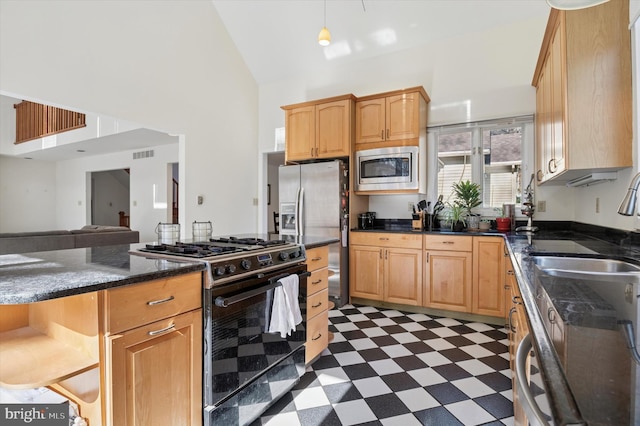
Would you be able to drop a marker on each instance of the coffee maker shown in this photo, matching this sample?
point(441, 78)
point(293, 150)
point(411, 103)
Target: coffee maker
point(366, 220)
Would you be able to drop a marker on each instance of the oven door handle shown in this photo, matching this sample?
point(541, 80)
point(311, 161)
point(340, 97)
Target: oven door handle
point(534, 413)
point(225, 302)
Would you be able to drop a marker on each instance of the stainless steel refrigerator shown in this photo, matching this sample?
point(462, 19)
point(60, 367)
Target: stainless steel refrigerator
point(314, 203)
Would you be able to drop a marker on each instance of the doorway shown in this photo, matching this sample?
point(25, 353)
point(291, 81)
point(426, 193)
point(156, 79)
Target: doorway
point(110, 192)
point(274, 161)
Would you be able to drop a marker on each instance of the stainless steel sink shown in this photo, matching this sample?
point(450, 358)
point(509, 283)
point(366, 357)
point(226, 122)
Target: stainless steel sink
point(590, 268)
point(585, 264)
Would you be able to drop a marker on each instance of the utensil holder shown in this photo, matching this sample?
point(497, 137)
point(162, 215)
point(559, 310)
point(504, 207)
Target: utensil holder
point(168, 233)
point(201, 231)
point(416, 222)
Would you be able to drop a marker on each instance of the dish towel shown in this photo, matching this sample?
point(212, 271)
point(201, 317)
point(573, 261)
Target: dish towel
point(285, 313)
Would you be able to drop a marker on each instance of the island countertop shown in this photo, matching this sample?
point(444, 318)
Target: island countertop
point(38, 276)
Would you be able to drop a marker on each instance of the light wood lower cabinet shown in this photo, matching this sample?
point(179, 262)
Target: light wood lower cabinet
point(518, 328)
point(488, 276)
point(447, 272)
point(155, 372)
point(153, 352)
point(317, 302)
point(386, 267)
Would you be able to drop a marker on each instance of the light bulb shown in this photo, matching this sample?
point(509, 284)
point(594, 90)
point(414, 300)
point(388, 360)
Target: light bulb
point(324, 38)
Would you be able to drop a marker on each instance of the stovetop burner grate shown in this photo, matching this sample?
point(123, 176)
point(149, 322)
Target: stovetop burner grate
point(213, 247)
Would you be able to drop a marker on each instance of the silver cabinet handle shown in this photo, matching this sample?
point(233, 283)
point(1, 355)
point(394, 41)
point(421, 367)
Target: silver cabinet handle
point(383, 239)
point(382, 134)
point(510, 324)
point(315, 259)
point(531, 408)
point(517, 300)
point(539, 176)
point(448, 242)
point(387, 134)
point(157, 302)
point(510, 272)
point(316, 282)
point(162, 330)
point(317, 306)
point(316, 338)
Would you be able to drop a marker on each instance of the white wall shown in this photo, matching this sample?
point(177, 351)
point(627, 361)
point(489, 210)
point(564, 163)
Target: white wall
point(145, 212)
point(27, 195)
point(168, 65)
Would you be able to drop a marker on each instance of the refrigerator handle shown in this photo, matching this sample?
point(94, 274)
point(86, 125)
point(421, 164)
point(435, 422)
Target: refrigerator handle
point(300, 212)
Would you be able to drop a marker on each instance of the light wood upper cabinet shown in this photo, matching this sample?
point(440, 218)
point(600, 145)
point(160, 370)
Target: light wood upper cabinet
point(300, 132)
point(488, 276)
point(448, 272)
point(386, 267)
point(319, 129)
point(391, 119)
point(583, 93)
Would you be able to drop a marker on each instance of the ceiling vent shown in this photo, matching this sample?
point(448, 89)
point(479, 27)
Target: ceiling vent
point(143, 154)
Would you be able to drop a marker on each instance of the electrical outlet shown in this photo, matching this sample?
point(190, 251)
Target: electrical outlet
point(597, 204)
point(542, 206)
point(410, 207)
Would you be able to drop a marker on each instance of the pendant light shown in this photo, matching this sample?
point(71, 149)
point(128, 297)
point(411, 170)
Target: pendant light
point(574, 4)
point(324, 38)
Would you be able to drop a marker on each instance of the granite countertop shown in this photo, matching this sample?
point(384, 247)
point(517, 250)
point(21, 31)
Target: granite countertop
point(574, 300)
point(34, 277)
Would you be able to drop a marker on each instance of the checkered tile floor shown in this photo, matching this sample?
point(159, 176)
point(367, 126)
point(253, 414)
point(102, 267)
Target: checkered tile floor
point(386, 367)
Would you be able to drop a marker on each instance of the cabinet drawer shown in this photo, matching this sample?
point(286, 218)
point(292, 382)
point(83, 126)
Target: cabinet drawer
point(317, 303)
point(317, 258)
point(448, 242)
point(317, 335)
point(387, 239)
point(139, 304)
point(319, 280)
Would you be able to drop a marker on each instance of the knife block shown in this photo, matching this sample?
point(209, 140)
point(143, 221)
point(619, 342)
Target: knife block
point(416, 222)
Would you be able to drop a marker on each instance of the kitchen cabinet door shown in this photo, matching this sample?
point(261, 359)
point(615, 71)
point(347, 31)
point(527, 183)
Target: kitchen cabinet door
point(403, 276)
point(365, 272)
point(333, 129)
point(155, 372)
point(300, 124)
point(370, 121)
point(403, 116)
point(584, 96)
point(488, 276)
point(448, 280)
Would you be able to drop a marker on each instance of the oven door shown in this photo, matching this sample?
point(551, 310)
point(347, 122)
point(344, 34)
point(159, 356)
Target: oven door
point(387, 169)
point(242, 358)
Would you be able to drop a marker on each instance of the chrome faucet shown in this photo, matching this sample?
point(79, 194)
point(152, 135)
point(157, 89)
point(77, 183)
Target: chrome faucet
point(628, 205)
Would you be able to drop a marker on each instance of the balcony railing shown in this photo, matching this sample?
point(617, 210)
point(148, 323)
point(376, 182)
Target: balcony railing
point(35, 121)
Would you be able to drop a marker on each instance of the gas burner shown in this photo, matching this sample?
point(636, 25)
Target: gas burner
point(248, 241)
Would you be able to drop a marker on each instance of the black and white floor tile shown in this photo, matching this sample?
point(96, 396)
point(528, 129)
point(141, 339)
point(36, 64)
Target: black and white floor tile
point(386, 367)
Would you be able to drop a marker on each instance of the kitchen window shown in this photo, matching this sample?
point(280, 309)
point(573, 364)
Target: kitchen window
point(489, 153)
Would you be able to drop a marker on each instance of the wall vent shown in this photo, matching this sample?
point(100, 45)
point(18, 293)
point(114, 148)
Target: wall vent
point(142, 154)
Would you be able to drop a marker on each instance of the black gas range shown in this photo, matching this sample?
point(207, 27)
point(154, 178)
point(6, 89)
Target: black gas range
point(231, 258)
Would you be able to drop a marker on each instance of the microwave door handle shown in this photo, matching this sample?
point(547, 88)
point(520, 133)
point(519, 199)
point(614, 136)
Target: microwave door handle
point(300, 212)
point(531, 408)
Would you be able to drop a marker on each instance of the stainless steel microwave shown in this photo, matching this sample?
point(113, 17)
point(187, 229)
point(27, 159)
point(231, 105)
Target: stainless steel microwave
point(388, 169)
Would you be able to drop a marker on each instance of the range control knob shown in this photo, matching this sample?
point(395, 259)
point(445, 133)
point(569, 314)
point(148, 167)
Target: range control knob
point(283, 256)
point(219, 270)
point(245, 264)
point(231, 269)
point(294, 254)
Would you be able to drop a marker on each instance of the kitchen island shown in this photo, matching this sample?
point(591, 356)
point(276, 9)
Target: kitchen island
point(92, 323)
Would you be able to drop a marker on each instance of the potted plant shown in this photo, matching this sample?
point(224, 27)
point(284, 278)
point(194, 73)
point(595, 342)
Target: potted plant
point(467, 197)
point(457, 215)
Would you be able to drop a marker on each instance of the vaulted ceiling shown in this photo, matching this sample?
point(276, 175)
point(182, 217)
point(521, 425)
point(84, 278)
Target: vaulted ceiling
point(278, 38)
